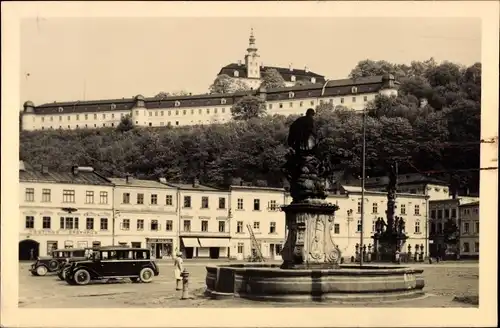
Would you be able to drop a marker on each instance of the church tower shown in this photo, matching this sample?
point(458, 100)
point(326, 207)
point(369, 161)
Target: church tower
point(252, 59)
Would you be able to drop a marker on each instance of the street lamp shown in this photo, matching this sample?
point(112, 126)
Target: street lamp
point(363, 176)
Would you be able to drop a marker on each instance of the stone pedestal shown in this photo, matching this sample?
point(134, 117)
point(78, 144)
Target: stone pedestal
point(309, 243)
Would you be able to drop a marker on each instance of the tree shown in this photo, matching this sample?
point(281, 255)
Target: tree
point(271, 79)
point(163, 94)
point(248, 107)
point(303, 82)
point(126, 124)
point(226, 84)
point(370, 67)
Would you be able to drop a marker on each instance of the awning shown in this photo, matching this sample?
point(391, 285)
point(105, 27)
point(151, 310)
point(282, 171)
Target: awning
point(190, 242)
point(214, 242)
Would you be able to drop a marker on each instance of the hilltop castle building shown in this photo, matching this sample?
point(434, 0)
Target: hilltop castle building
point(212, 108)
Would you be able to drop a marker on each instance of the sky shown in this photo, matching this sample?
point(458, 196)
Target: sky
point(69, 59)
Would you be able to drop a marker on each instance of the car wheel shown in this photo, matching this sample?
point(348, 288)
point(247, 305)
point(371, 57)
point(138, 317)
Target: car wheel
point(41, 270)
point(53, 265)
point(69, 280)
point(134, 280)
point(81, 277)
point(146, 275)
point(61, 275)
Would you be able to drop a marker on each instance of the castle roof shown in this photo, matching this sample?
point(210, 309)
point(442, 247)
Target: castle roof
point(286, 73)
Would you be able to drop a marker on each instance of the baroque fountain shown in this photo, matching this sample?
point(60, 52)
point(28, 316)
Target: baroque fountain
point(311, 268)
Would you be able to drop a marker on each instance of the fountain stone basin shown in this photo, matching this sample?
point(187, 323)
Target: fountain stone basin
point(349, 283)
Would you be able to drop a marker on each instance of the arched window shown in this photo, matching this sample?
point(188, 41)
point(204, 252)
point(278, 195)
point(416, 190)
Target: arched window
point(177, 103)
point(113, 106)
point(293, 78)
point(313, 80)
point(223, 101)
point(236, 73)
point(291, 94)
point(60, 109)
point(354, 90)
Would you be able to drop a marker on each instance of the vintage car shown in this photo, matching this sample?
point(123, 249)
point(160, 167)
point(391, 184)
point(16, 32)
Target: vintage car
point(61, 273)
point(45, 264)
point(113, 262)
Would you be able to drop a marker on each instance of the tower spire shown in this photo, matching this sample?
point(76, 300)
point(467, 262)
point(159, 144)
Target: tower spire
point(251, 42)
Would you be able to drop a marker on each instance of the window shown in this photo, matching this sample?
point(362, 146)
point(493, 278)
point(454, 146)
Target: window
point(222, 226)
point(204, 225)
point(440, 214)
point(154, 199)
point(169, 225)
point(89, 197)
point(30, 222)
point(466, 227)
point(446, 213)
point(104, 224)
point(476, 247)
point(433, 214)
point(140, 198)
point(66, 223)
point(417, 209)
point(204, 202)
point(466, 248)
point(272, 227)
point(417, 226)
point(90, 224)
point(187, 201)
point(68, 196)
point(46, 195)
point(154, 225)
point(126, 198)
point(126, 224)
point(403, 209)
point(375, 208)
point(30, 195)
point(358, 228)
point(336, 228)
point(354, 90)
point(313, 79)
point(239, 227)
point(187, 225)
point(103, 197)
point(169, 200)
point(280, 105)
point(222, 203)
point(240, 248)
point(86, 116)
point(240, 203)
point(476, 227)
point(272, 205)
point(46, 222)
point(439, 228)
point(353, 99)
point(433, 228)
point(365, 98)
point(374, 225)
point(140, 224)
point(292, 78)
point(256, 204)
point(341, 100)
point(256, 226)
point(359, 207)
point(453, 213)
point(51, 246)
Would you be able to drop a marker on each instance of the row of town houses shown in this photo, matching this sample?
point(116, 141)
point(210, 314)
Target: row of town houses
point(82, 208)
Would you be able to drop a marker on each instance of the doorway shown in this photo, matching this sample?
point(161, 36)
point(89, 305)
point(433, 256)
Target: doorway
point(214, 252)
point(189, 252)
point(29, 250)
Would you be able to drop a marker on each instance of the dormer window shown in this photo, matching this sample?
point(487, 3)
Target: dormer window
point(113, 106)
point(293, 78)
point(313, 80)
point(177, 103)
point(60, 109)
point(354, 90)
point(236, 73)
point(223, 101)
point(291, 94)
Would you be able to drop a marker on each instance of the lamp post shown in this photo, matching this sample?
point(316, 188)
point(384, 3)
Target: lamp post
point(363, 173)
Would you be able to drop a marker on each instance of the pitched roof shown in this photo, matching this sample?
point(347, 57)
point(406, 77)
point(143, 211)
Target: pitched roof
point(188, 186)
point(86, 176)
point(472, 204)
point(286, 73)
point(133, 182)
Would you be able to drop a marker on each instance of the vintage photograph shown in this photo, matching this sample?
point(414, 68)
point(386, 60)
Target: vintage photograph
point(249, 162)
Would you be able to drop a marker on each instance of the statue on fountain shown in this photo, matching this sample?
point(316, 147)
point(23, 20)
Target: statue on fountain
point(309, 218)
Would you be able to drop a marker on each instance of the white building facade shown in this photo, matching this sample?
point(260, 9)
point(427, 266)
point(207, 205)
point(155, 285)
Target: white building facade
point(260, 209)
point(146, 215)
point(63, 210)
point(469, 230)
point(203, 221)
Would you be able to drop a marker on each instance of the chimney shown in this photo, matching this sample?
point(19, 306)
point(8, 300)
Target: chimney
point(196, 182)
point(306, 69)
point(74, 170)
point(45, 169)
point(128, 178)
point(291, 68)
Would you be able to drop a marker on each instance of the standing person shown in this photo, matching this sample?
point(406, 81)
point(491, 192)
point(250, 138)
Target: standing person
point(178, 268)
point(32, 254)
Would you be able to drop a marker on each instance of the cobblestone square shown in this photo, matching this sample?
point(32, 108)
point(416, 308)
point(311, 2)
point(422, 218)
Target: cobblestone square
point(444, 282)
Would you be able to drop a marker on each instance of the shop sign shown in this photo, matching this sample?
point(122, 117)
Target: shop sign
point(62, 232)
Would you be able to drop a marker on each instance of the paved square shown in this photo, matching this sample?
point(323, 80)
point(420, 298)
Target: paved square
point(443, 281)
